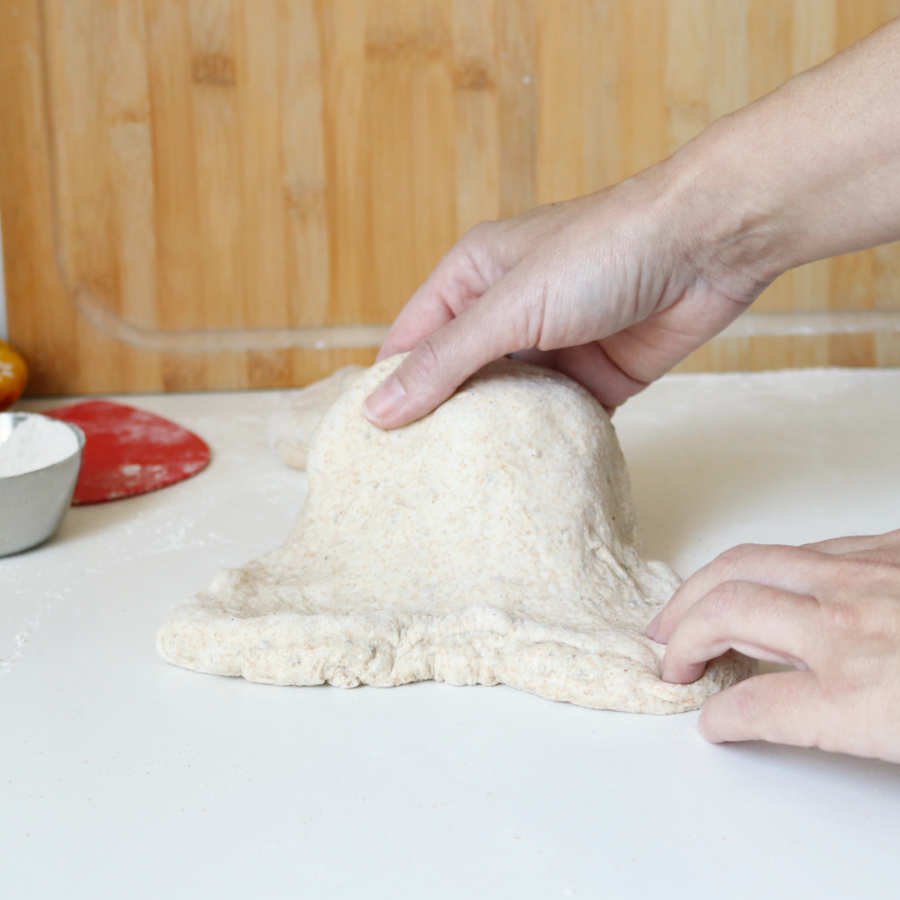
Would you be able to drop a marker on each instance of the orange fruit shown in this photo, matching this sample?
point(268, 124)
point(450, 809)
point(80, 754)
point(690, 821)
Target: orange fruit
point(13, 375)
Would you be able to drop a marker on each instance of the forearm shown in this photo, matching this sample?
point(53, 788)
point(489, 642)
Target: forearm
point(809, 171)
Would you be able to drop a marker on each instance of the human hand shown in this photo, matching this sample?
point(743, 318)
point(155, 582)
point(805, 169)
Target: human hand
point(612, 289)
point(615, 288)
point(831, 610)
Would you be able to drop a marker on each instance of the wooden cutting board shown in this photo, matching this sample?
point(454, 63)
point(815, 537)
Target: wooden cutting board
point(224, 195)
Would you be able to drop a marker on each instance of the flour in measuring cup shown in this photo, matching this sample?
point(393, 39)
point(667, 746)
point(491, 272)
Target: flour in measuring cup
point(33, 443)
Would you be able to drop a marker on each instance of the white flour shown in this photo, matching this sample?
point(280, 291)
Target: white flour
point(33, 443)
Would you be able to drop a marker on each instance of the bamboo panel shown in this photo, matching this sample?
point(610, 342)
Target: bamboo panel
point(239, 193)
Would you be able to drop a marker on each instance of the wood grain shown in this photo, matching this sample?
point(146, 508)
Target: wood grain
point(215, 193)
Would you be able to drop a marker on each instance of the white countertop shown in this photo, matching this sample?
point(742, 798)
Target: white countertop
point(122, 777)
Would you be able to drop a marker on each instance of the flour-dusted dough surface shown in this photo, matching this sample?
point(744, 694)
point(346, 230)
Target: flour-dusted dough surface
point(492, 542)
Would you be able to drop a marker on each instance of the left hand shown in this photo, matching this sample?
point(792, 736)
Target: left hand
point(830, 610)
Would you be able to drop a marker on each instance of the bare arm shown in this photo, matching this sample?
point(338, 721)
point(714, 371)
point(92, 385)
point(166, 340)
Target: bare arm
point(809, 171)
point(617, 287)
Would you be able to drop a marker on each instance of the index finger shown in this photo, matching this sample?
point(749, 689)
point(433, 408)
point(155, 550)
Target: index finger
point(440, 363)
point(425, 312)
point(793, 569)
point(455, 284)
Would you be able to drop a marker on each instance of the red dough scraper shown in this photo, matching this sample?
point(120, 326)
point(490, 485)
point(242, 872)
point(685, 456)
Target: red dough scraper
point(130, 451)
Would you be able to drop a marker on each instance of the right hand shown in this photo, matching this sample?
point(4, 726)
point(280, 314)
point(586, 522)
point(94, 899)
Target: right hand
point(613, 289)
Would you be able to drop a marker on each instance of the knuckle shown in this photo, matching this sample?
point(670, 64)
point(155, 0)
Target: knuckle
point(843, 616)
point(738, 553)
point(721, 600)
point(845, 574)
point(479, 233)
point(880, 572)
point(477, 245)
point(477, 253)
point(863, 618)
point(424, 364)
point(872, 569)
point(731, 560)
point(679, 643)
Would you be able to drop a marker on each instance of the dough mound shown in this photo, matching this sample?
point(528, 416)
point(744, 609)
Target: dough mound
point(293, 424)
point(492, 542)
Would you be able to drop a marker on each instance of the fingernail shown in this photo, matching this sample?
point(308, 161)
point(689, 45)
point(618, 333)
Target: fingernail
point(385, 401)
point(650, 630)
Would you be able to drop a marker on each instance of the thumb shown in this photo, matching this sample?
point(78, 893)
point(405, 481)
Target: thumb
point(443, 360)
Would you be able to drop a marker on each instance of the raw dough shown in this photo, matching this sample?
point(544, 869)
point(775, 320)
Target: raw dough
point(491, 542)
point(292, 425)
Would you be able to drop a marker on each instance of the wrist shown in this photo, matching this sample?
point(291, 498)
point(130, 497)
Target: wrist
point(737, 240)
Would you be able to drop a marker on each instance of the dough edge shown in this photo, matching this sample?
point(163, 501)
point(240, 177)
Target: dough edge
point(474, 646)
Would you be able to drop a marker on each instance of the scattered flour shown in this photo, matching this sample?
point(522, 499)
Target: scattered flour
point(33, 442)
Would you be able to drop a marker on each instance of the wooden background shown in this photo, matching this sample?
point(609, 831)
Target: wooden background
point(215, 193)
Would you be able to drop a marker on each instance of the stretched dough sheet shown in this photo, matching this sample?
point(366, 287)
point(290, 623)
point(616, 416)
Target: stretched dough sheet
point(492, 542)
